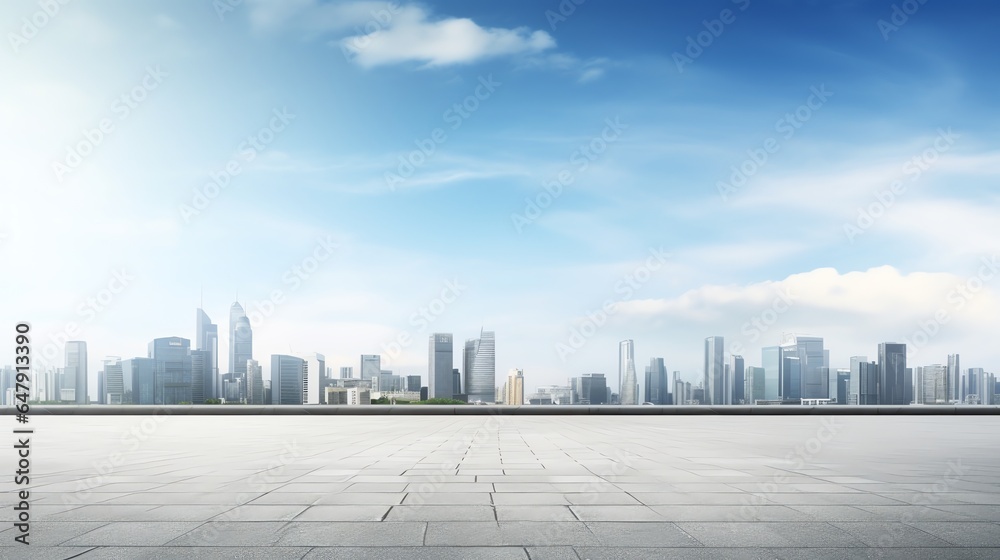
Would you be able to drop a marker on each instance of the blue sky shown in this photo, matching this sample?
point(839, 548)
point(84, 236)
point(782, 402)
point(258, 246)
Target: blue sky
point(921, 90)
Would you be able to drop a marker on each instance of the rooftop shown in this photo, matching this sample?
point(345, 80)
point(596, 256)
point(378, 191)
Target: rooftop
point(510, 487)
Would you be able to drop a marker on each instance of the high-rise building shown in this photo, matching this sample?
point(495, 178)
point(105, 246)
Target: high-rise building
point(854, 391)
point(243, 351)
point(480, 378)
point(114, 383)
point(738, 373)
point(207, 340)
point(954, 378)
point(287, 379)
point(771, 361)
point(255, 382)
point(371, 366)
point(456, 383)
point(714, 383)
point(347, 372)
point(202, 385)
point(756, 385)
point(312, 392)
point(791, 378)
point(628, 391)
point(440, 363)
point(76, 370)
point(812, 358)
point(413, 383)
point(139, 381)
point(590, 388)
point(843, 385)
point(514, 389)
point(235, 312)
point(172, 373)
point(893, 384)
point(100, 386)
point(931, 384)
point(657, 389)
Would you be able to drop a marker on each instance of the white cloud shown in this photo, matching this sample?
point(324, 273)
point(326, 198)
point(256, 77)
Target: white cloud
point(410, 36)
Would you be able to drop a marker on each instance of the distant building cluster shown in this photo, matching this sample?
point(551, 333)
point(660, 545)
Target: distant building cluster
point(797, 371)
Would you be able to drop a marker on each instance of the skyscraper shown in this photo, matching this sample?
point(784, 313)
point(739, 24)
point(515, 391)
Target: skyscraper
point(139, 381)
point(738, 372)
point(440, 363)
point(954, 378)
point(791, 378)
point(287, 373)
point(812, 359)
point(207, 340)
point(892, 378)
point(371, 366)
point(346, 372)
point(255, 382)
point(514, 388)
point(114, 381)
point(756, 390)
point(628, 389)
point(854, 390)
point(771, 360)
point(243, 351)
point(76, 370)
point(657, 390)
point(315, 365)
point(235, 312)
point(931, 384)
point(480, 378)
point(201, 376)
point(413, 383)
point(171, 370)
point(715, 371)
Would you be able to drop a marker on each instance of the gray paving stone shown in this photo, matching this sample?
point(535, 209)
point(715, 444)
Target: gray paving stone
point(441, 513)
point(668, 535)
point(357, 534)
point(535, 513)
point(722, 482)
point(509, 533)
point(419, 553)
point(206, 553)
point(972, 534)
point(125, 533)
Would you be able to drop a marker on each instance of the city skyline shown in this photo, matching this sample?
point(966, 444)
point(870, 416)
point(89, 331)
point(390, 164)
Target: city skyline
point(520, 175)
point(798, 368)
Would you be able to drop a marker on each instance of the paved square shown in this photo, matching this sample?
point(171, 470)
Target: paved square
point(517, 487)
